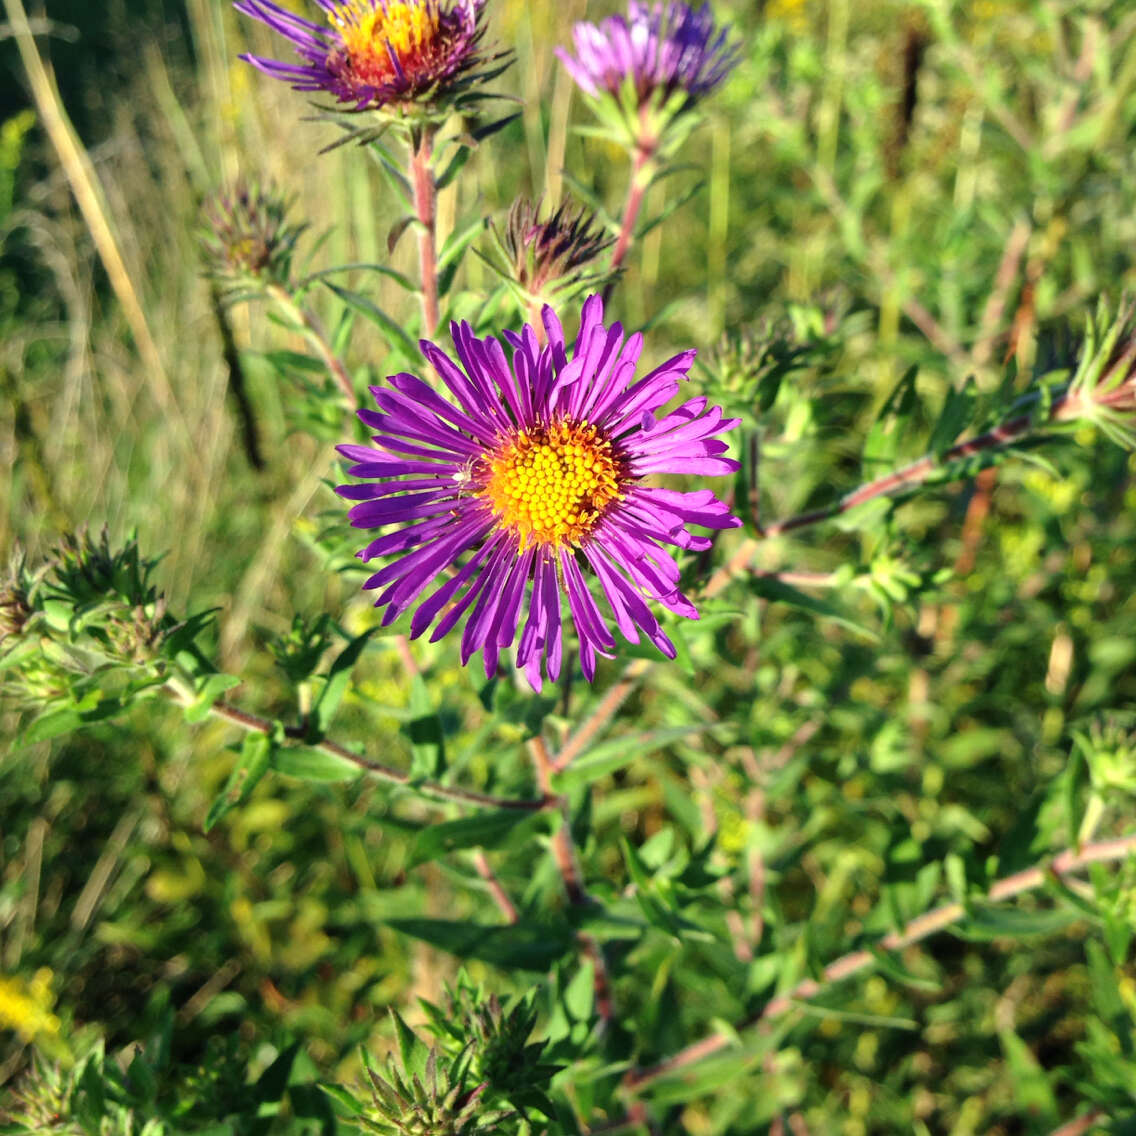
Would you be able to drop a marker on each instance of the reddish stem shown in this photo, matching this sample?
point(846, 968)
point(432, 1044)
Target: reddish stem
point(425, 209)
point(636, 189)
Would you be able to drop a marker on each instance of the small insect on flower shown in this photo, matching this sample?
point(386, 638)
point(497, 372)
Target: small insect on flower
point(530, 479)
point(375, 52)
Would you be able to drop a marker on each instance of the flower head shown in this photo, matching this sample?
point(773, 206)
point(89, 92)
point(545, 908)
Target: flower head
point(660, 54)
point(552, 258)
point(375, 52)
point(529, 479)
point(246, 237)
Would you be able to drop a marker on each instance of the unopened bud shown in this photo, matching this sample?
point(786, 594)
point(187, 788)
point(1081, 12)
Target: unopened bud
point(555, 258)
point(246, 238)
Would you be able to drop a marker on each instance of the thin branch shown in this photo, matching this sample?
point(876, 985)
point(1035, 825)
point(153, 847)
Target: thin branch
point(500, 895)
point(314, 333)
point(1079, 1125)
point(923, 926)
point(603, 713)
point(564, 853)
point(256, 724)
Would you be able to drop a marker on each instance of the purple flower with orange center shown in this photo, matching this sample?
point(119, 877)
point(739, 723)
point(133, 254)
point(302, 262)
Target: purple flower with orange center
point(528, 481)
point(375, 52)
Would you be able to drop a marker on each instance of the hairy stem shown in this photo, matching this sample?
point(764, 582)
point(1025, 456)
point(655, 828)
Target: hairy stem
point(919, 928)
point(641, 171)
point(254, 722)
point(314, 333)
point(425, 209)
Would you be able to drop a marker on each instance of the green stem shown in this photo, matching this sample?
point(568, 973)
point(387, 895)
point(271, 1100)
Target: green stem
point(313, 332)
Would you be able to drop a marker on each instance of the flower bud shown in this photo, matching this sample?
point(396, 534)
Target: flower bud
point(553, 259)
point(246, 239)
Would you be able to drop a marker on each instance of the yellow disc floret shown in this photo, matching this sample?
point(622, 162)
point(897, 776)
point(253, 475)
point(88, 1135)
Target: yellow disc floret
point(373, 30)
point(551, 484)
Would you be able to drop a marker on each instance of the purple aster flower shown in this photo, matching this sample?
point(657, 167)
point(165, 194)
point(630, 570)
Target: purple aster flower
point(374, 52)
point(527, 481)
point(661, 48)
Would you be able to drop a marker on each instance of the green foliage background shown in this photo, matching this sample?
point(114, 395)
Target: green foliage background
point(944, 186)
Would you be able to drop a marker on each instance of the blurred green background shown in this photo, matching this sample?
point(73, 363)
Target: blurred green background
point(942, 184)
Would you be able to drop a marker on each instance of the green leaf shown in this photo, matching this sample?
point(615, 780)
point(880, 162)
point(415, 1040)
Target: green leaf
point(273, 1082)
point(454, 166)
point(325, 706)
point(51, 725)
point(889, 965)
point(314, 765)
point(954, 418)
point(391, 329)
point(456, 244)
point(481, 830)
point(342, 1098)
point(777, 591)
point(1030, 1085)
point(427, 740)
point(883, 440)
point(985, 923)
point(256, 752)
point(524, 945)
point(209, 689)
point(614, 754)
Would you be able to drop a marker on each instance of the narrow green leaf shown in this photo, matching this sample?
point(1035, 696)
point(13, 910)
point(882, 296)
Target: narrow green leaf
point(427, 741)
point(522, 946)
point(393, 331)
point(614, 754)
point(342, 1098)
point(777, 591)
point(986, 923)
point(954, 418)
point(51, 725)
point(256, 752)
point(480, 830)
point(1031, 1087)
point(314, 765)
point(325, 706)
point(209, 689)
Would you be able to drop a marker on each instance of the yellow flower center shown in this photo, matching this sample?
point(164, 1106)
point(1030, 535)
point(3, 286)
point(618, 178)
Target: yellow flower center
point(551, 484)
point(371, 30)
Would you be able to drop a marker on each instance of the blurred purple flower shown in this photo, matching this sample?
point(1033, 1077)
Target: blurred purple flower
point(374, 52)
point(661, 48)
point(529, 477)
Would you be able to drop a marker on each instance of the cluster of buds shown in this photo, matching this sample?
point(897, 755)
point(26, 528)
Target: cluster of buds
point(90, 610)
point(40, 1102)
point(106, 595)
point(247, 241)
point(497, 1039)
point(1110, 755)
point(644, 73)
point(15, 609)
point(1102, 390)
point(426, 1094)
point(550, 260)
